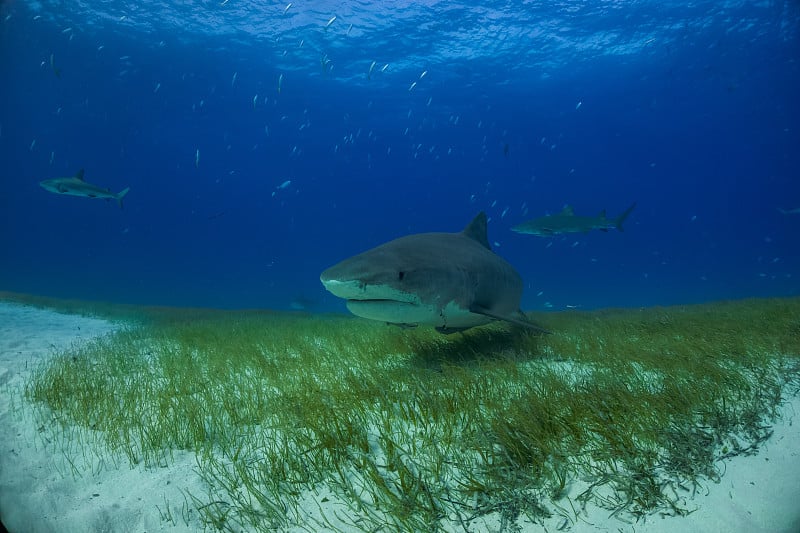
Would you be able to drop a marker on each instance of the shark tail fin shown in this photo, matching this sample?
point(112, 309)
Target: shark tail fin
point(121, 194)
point(620, 219)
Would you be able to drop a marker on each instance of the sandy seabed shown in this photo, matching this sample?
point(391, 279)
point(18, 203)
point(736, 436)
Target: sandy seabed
point(758, 493)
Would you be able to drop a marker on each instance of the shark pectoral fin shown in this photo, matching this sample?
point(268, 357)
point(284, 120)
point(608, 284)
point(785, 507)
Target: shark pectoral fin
point(402, 325)
point(604, 230)
point(449, 331)
point(521, 321)
point(480, 310)
point(525, 322)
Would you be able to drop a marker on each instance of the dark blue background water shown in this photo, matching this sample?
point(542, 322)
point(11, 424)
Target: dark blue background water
point(692, 112)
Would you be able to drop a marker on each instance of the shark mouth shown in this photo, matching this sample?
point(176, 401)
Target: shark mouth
point(357, 290)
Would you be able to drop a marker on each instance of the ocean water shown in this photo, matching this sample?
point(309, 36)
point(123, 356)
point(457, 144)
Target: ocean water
point(264, 141)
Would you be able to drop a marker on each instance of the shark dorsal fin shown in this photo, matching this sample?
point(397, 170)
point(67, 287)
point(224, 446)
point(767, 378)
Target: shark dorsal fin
point(602, 214)
point(567, 211)
point(477, 230)
point(79, 175)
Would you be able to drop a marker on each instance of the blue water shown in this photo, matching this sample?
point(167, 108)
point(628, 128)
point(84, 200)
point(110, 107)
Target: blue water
point(689, 110)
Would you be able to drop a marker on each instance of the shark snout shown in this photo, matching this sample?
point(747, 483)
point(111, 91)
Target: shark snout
point(343, 289)
point(344, 281)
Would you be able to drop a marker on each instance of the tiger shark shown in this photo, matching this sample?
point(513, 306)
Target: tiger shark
point(76, 186)
point(568, 222)
point(451, 281)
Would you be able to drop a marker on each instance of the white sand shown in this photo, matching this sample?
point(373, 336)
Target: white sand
point(759, 493)
point(34, 496)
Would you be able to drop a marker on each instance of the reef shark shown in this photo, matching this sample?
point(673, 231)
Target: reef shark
point(76, 186)
point(795, 211)
point(452, 281)
point(567, 222)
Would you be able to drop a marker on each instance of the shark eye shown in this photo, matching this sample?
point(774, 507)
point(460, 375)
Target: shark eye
point(401, 275)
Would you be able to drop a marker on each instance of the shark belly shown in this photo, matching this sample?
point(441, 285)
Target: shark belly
point(392, 311)
point(451, 315)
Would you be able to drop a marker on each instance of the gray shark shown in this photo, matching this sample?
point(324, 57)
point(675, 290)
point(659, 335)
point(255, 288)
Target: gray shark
point(75, 186)
point(452, 281)
point(567, 222)
point(795, 211)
